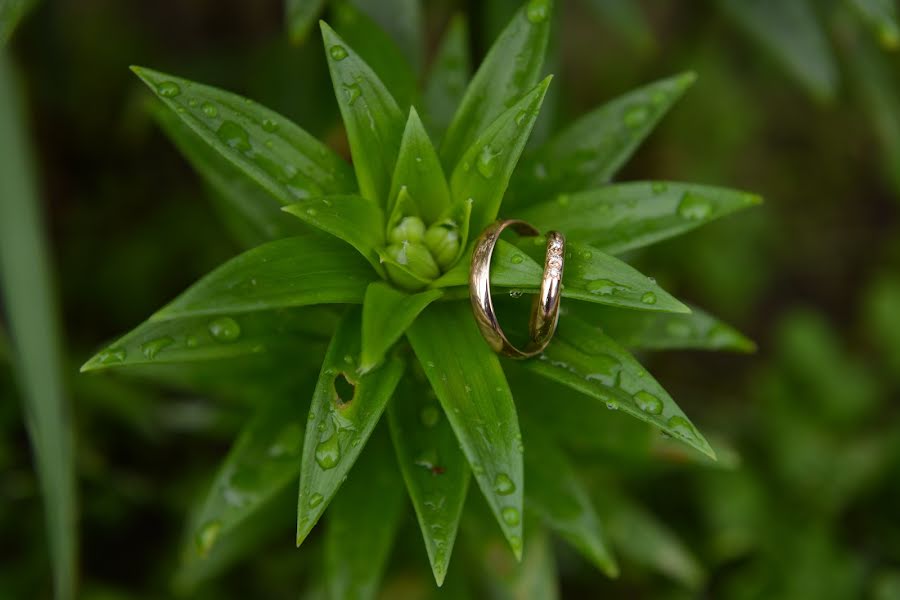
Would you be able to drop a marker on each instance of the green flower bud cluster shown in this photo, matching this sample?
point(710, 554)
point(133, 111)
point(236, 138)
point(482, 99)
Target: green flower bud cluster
point(425, 252)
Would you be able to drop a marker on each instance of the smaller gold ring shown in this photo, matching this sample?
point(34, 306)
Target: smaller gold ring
point(545, 307)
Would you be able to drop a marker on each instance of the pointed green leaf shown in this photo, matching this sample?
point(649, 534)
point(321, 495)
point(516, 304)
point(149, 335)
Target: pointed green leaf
point(298, 271)
point(589, 275)
point(484, 169)
point(625, 216)
point(419, 171)
point(362, 523)
point(467, 378)
point(345, 408)
point(264, 461)
point(592, 149)
point(557, 494)
point(791, 32)
point(640, 537)
point(286, 161)
point(300, 15)
point(447, 78)
point(350, 218)
point(11, 14)
point(511, 68)
point(403, 21)
point(372, 118)
point(387, 313)
point(251, 212)
point(212, 338)
point(378, 50)
point(583, 358)
point(642, 330)
point(881, 16)
point(28, 297)
point(434, 468)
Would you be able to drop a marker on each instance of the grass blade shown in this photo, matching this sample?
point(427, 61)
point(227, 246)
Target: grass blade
point(419, 171)
point(11, 14)
point(345, 408)
point(485, 167)
point(359, 532)
point(350, 218)
point(387, 313)
point(434, 468)
point(511, 68)
point(591, 150)
point(467, 378)
point(642, 330)
point(35, 336)
point(299, 16)
point(622, 217)
point(298, 271)
point(584, 359)
point(557, 494)
point(285, 160)
point(448, 78)
point(372, 118)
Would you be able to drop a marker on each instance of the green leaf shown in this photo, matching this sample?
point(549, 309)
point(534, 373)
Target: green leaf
point(557, 494)
point(641, 538)
point(791, 32)
point(372, 118)
point(625, 216)
point(402, 20)
point(387, 313)
point(881, 17)
point(419, 171)
point(11, 14)
point(362, 524)
point(264, 461)
point(447, 78)
point(350, 218)
point(589, 275)
point(252, 213)
point(286, 161)
point(378, 50)
point(204, 338)
point(298, 271)
point(300, 15)
point(345, 408)
point(642, 330)
point(467, 378)
point(484, 169)
point(433, 466)
point(591, 150)
point(583, 358)
point(511, 68)
point(30, 306)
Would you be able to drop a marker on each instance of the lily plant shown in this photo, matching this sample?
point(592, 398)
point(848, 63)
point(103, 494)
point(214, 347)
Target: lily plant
point(373, 257)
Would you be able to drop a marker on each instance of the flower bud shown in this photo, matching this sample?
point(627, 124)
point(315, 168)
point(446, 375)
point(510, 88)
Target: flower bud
point(417, 259)
point(442, 239)
point(410, 229)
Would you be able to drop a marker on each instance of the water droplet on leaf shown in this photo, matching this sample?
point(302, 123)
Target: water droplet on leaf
point(648, 403)
point(338, 52)
point(153, 347)
point(225, 329)
point(168, 89)
point(503, 485)
point(328, 452)
point(694, 206)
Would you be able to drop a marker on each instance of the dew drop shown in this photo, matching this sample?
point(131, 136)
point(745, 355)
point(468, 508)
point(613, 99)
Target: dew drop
point(112, 356)
point(153, 347)
point(353, 92)
point(516, 293)
point(605, 287)
point(612, 406)
point(537, 11)
point(234, 135)
point(648, 403)
point(191, 341)
point(225, 329)
point(315, 500)
point(487, 162)
point(338, 52)
point(635, 116)
point(503, 485)
point(517, 259)
point(510, 516)
point(209, 109)
point(694, 206)
point(586, 255)
point(681, 427)
point(516, 543)
point(328, 452)
point(168, 89)
point(648, 298)
point(269, 125)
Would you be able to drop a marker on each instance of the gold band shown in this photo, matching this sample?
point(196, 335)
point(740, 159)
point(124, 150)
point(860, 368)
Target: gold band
point(545, 307)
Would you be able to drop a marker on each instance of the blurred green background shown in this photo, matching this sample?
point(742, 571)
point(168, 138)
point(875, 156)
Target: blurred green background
point(803, 109)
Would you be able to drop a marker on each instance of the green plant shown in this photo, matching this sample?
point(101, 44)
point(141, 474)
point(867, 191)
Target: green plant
point(393, 234)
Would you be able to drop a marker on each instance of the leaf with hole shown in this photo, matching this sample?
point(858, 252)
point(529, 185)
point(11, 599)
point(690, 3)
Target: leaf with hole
point(467, 378)
point(345, 408)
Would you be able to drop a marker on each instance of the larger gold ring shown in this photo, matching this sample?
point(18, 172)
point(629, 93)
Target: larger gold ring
point(545, 307)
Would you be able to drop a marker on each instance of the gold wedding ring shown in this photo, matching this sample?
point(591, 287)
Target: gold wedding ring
point(545, 307)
